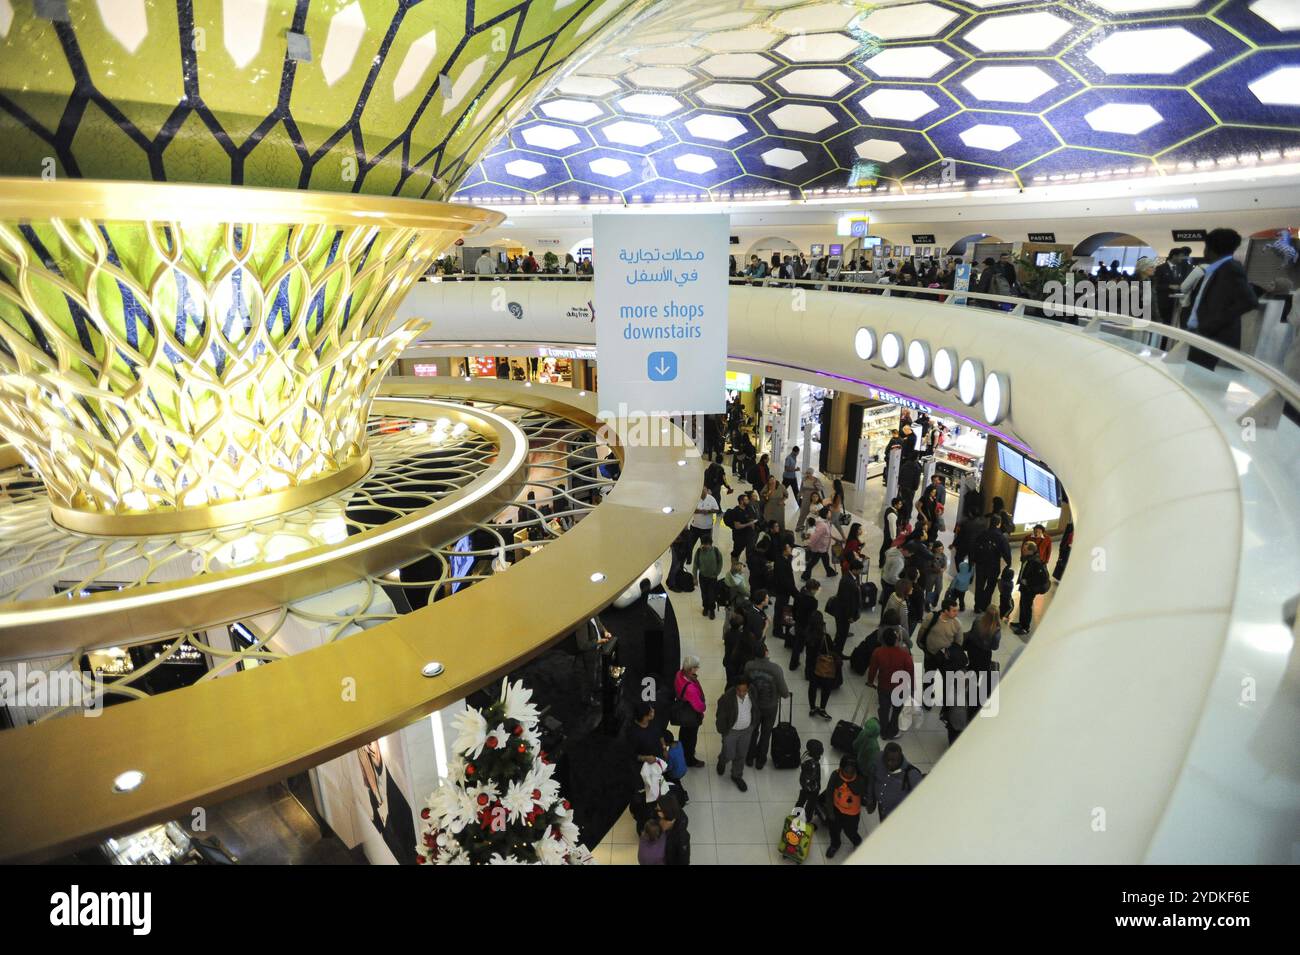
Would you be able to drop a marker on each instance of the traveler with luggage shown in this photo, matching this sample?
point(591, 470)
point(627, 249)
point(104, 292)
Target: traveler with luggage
point(805, 604)
point(810, 781)
point(821, 666)
point(846, 605)
point(767, 688)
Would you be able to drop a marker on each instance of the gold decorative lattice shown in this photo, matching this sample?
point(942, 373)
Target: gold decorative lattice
point(153, 366)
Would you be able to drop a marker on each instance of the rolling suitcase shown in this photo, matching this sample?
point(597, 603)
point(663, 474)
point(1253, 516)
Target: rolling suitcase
point(860, 658)
point(796, 837)
point(870, 593)
point(846, 731)
point(786, 748)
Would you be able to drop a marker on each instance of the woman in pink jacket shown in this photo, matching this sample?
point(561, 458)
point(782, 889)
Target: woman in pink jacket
point(688, 707)
point(819, 544)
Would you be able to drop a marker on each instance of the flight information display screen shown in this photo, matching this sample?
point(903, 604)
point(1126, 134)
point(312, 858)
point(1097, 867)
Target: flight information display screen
point(1041, 481)
point(1012, 462)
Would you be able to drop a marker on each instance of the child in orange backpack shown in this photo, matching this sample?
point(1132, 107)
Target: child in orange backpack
point(843, 799)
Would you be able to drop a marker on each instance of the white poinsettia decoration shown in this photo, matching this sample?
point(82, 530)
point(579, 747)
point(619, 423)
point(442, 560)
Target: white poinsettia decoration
point(471, 732)
point(499, 803)
point(516, 698)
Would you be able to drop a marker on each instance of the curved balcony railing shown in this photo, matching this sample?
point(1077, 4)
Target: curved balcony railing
point(1151, 717)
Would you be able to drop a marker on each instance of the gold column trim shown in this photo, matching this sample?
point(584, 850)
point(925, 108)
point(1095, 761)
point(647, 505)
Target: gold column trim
point(181, 520)
point(217, 739)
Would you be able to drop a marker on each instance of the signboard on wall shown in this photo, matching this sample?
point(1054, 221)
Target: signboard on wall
point(1042, 237)
point(1189, 235)
point(423, 370)
point(661, 313)
point(739, 381)
point(772, 386)
point(924, 238)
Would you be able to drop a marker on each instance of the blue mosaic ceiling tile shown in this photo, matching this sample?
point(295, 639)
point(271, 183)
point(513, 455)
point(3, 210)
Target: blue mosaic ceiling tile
point(1263, 21)
point(1234, 142)
point(1043, 31)
point(555, 139)
point(704, 166)
point(906, 106)
point(970, 174)
point(785, 160)
point(610, 168)
point(1070, 163)
point(1142, 121)
point(1262, 89)
point(633, 135)
point(1025, 85)
point(1171, 53)
point(894, 152)
point(803, 119)
point(524, 169)
point(999, 139)
point(929, 62)
point(759, 184)
point(712, 127)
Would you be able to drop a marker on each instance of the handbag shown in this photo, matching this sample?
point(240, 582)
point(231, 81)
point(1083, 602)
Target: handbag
point(826, 666)
point(681, 713)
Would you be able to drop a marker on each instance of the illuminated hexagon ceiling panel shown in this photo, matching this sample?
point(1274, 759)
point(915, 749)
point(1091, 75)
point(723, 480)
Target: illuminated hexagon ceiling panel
point(775, 98)
point(392, 97)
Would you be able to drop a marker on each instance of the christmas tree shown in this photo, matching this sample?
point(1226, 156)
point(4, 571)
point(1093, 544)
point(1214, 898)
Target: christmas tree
point(499, 804)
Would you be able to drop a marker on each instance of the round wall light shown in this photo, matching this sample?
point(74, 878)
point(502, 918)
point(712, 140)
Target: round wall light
point(997, 397)
point(864, 343)
point(891, 350)
point(128, 781)
point(918, 358)
point(970, 380)
point(945, 368)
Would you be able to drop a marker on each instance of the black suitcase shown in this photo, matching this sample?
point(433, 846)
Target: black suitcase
point(685, 582)
point(860, 658)
point(870, 593)
point(786, 748)
point(845, 732)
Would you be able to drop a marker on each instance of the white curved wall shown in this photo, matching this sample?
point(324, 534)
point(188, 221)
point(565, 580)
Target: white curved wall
point(1096, 719)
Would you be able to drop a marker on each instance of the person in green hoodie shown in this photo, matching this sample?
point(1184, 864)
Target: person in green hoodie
point(707, 566)
point(866, 745)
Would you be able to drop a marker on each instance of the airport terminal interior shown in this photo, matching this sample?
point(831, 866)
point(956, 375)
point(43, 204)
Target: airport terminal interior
point(649, 432)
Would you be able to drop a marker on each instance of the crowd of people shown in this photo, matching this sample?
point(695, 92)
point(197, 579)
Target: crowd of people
point(490, 263)
point(790, 591)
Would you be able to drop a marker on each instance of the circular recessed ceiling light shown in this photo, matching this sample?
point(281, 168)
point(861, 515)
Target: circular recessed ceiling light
point(864, 343)
point(891, 350)
point(969, 379)
point(667, 509)
point(945, 368)
point(918, 358)
point(431, 669)
point(597, 577)
point(681, 463)
point(997, 397)
point(128, 781)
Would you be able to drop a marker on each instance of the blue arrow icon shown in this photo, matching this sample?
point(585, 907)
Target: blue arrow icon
point(662, 365)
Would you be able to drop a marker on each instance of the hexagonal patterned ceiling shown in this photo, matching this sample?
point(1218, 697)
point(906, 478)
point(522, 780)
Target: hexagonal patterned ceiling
point(392, 97)
point(775, 98)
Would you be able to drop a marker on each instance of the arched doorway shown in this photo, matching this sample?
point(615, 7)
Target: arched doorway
point(1107, 248)
point(764, 248)
point(967, 242)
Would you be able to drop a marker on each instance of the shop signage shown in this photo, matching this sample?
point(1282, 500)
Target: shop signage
point(584, 253)
point(817, 250)
point(923, 238)
point(570, 353)
point(1042, 237)
point(1189, 235)
point(837, 249)
point(583, 313)
point(879, 394)
point(772, 386)
point(426, 371)
point(739, 381)
point(662, 323)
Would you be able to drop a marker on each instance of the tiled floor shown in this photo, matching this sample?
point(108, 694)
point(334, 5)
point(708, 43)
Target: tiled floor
point(731, 827)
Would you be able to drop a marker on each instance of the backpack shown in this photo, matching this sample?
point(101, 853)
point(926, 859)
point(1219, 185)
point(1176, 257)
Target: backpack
point(765, 693)
point(925, 633)
point(729, 518)
point(810, 775)
point(986, 550)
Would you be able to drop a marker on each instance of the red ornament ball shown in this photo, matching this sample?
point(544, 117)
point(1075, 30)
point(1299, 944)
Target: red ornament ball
point(469, 769)
point(424, 813)
point(523, 747)
point(518, 730)
point(482, 799)
point(566, 804)
point(419, 859)
point(491, 742)
point(537, 794)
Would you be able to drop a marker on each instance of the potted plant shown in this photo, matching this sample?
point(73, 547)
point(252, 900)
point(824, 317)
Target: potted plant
point(1033, 277)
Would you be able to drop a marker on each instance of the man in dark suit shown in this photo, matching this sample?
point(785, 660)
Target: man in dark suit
point(1223, 297)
